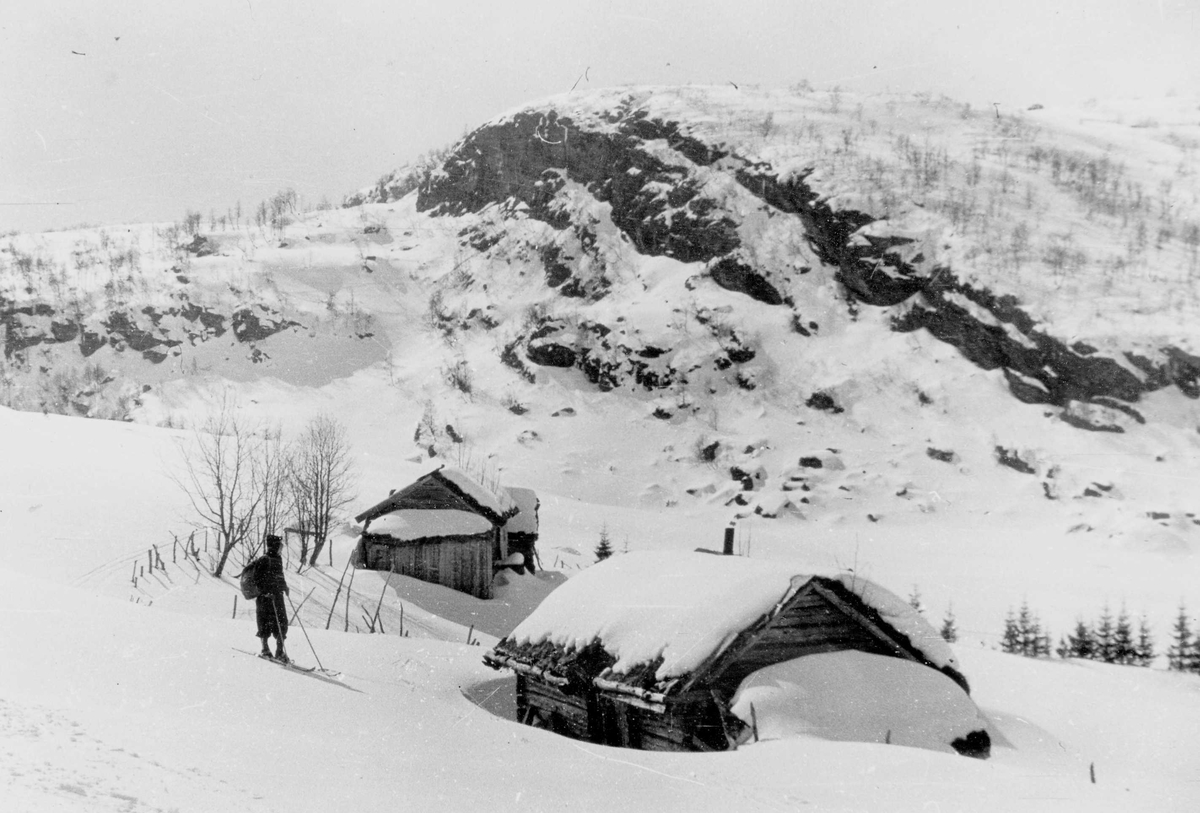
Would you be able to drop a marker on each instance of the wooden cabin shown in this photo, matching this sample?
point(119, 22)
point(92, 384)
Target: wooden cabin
point(444, 528)
point(648, 650)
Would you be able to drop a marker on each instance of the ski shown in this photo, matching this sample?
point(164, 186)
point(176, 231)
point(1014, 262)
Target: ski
point(312, 671)
point(285, 664)
point(288, 664)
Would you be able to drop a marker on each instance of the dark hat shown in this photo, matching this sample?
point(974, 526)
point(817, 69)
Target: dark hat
point(273, 541)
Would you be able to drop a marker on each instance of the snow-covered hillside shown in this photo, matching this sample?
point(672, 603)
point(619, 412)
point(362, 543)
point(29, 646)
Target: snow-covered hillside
point(111, 703)
point(950, 349)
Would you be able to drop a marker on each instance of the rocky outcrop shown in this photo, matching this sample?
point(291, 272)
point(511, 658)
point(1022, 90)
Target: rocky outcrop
point(24, 326)
point(869, 266)
point(124, 332)
point(148, 332)
point(655, 195)
point(734, 275)
point(258, 323)
point(529, 157)
point(993, 332)
point(604, 356)
point(1038, 367)
point(657, 177)
point(201, 246)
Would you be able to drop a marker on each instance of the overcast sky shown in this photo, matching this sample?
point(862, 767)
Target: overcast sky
point(119, 110)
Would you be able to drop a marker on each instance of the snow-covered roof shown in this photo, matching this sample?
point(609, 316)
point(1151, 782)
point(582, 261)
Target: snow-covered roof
point(445, 488)
point(901, 617)
point(407, 526)
point(687, 608)
point(526, 520)
point(498, 500)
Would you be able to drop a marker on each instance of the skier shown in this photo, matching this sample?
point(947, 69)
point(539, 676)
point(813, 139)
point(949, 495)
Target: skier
point(271, 609)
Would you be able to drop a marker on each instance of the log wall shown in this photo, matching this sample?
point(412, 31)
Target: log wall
point(544, 706)
point(611, 720)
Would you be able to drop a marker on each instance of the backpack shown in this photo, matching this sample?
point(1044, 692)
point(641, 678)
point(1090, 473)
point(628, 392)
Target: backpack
point(249, 578)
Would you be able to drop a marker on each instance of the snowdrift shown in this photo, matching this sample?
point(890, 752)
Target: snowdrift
point(858, 697)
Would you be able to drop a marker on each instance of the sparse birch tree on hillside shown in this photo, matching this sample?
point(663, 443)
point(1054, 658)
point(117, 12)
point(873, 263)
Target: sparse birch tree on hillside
point(321, 479)
point(219, 478)
point(272, 468)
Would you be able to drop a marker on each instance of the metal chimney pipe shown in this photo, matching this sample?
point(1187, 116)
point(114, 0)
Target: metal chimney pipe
point(728, 551)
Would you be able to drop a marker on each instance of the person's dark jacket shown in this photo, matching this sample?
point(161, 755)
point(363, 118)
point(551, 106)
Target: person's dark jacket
point(271, 608)
point(270, 575)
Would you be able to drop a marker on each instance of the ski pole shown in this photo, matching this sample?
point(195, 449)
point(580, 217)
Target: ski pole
point(278, 627)
point(297, 610)
point(302, 629)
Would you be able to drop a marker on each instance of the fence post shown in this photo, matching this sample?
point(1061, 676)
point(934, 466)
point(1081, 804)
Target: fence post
point(348, 590)
point(333, 604)
point(235, 605)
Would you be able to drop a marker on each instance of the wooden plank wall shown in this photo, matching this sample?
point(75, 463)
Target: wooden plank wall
point(462, 563)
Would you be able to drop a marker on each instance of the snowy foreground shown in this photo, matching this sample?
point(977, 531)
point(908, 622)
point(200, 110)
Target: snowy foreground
point(109, 704)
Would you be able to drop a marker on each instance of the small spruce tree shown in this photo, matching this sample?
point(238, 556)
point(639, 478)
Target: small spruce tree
point(1041, 640)
point(1105, 637)
point(1124, 648)
point(1144, 648)
point(604, 546)
point(1010, 641)
point(1081, 643)
point(1028, 630)
point(1179, 652)
point(949, 626)
point(914, 599)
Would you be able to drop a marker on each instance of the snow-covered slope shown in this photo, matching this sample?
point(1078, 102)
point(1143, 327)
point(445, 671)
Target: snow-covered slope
point(880, 333)
point(107, 704)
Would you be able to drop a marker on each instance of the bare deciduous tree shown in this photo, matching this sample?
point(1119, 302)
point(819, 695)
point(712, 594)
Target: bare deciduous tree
point(272, 468)
point(219, 478)
point(321, 480)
